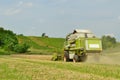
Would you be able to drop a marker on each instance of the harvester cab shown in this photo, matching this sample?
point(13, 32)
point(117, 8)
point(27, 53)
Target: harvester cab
point(79, 44)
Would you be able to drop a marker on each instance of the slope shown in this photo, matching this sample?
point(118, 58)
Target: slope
point(40, 45)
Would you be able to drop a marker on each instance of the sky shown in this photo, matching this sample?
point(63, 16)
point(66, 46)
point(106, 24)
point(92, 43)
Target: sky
point(57, 18)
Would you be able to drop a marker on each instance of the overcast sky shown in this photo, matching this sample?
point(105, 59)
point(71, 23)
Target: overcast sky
point(56, 18)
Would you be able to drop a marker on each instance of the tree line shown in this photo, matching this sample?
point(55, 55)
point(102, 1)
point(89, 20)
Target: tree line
point(108, 42)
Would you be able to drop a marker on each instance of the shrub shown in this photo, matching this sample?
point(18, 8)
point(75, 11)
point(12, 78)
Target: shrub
point(21, 48)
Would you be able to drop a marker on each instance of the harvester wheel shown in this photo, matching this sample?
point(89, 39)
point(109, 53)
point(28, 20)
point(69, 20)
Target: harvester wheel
point(75, 58)
point(66, 56)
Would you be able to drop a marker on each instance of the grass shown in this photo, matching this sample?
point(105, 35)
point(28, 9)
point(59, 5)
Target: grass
point(40, 45)
point(26, 67)
point(3, 52)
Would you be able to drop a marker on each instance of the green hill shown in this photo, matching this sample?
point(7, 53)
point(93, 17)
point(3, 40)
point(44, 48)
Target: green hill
point(40, 45)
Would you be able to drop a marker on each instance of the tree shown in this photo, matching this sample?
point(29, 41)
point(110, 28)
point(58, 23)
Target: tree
point(44, 35)
point(108, 42)
point(7, 39)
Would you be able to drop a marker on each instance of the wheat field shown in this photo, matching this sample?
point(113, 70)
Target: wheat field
point(40, 67)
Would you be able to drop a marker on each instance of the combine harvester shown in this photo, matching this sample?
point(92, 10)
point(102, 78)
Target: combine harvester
point(79, 44)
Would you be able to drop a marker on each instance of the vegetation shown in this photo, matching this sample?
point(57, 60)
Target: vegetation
point(44, 35)
point(42, 45)
point(9, 42)
point(21, 48)
point(108, 42)
point(7, 39)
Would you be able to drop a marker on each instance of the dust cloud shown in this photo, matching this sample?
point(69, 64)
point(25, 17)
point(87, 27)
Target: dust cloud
point(113, 58)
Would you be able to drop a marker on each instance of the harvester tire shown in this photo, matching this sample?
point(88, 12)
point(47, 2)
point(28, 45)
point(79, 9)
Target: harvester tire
point(66, 56)
point(75, 58)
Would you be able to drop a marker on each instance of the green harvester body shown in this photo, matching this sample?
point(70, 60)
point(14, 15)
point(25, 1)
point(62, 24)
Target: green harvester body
point(79, 44)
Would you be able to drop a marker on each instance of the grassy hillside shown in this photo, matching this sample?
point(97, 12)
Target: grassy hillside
point(40, 45)
point(29, 67)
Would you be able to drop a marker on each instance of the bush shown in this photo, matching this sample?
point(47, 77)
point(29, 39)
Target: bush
point(21, 48)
